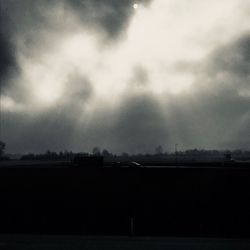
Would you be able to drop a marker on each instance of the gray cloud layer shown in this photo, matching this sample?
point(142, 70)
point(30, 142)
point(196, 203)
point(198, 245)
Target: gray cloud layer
point(215, 113)
point(30, 19)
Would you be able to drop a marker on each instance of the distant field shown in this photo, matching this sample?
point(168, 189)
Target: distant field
point(31, 242)
point(34, 163)
point(153, 164)
point(144, 201)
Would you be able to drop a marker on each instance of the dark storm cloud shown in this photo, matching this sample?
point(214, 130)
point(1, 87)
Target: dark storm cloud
point(30, 22)
point(7, 53)
point(233, 58)
point(213, 115)
point(7, 61)
point(233, 91)
point(217, 111)
point(110, 14)
point(17, 18)
point(208, 120)
point(138, 126)
point(52, 130)
point(55, 129)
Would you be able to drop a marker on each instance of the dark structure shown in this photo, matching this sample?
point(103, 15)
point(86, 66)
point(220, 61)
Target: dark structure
point(183, 201)
point(88, 161)
point(228, 157)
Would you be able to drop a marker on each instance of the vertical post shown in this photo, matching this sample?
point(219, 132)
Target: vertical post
point(131, 225)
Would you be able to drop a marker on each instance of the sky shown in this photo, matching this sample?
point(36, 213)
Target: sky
point(124, 75)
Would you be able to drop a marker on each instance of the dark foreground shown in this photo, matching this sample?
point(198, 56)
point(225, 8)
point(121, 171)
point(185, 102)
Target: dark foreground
point(28, 242)
point(167, 202)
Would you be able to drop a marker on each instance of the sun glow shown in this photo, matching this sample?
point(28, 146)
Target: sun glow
point(47, 93)
point(46, 81)
point(135, 6)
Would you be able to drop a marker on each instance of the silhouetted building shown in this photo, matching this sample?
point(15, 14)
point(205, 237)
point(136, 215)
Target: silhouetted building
point(88, 161)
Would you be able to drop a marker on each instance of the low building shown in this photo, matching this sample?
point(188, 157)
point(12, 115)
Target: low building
point(88, 161)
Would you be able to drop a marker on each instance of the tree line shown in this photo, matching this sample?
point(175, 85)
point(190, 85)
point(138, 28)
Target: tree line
point(158, 152)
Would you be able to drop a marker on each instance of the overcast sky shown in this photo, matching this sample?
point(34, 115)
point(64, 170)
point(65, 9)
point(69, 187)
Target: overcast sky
point(124, 75)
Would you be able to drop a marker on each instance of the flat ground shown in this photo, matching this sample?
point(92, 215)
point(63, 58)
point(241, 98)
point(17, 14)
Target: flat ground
point(28, 242)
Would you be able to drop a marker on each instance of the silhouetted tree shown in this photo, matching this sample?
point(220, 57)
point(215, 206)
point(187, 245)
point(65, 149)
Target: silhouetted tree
point(106, 153)
point(96, 151)
point(2, 148)
point(124, 154)
point(159, 150)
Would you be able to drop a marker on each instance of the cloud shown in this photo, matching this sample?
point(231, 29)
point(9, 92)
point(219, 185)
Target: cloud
point(139, 125)
point(30, 27)
point(216, 112)
point(99, 73)
point(111, 15)
point(7, 53)
point(7, 63)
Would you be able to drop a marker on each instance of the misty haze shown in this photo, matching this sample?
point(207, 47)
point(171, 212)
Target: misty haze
point(124, 76)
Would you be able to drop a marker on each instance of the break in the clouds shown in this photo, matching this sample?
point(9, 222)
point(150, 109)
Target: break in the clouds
point(82, 73)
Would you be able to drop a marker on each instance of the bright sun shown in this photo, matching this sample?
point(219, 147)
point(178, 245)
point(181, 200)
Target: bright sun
point(135, 6)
